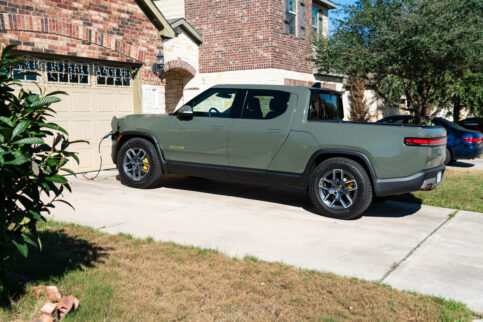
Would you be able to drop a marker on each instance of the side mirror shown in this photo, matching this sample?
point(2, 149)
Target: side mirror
point(185, 113)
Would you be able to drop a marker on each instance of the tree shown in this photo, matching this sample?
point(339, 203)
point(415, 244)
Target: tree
point(469, 95)
point(424, 46)
point(359, 109)
point(33, 153)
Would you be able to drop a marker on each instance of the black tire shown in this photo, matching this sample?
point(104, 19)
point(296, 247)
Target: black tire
point(154, 172)
point(361, 195)
point(448, 159)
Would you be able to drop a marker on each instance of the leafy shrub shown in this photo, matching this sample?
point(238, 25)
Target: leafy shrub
point(33, 152)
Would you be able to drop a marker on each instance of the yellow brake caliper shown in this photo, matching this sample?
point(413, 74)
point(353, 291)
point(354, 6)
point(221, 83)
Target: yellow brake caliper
point(146, 161)
point(350, 185)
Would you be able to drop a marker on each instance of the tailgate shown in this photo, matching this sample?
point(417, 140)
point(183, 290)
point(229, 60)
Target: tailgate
point(431, 140)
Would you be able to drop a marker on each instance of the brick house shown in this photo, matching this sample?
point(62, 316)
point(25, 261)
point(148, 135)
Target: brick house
point(100, 52)
point(103, 53)
point(244, 41)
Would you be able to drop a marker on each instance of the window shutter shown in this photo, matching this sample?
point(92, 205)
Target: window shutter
point(286, 27)
point(302, 19)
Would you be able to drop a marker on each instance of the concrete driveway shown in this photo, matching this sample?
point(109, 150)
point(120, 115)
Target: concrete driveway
point(410, 247)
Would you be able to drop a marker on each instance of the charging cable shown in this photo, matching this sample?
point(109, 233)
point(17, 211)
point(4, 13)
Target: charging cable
point(100, 158)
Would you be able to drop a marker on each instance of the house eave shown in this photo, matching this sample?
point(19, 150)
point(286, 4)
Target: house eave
point(154, 14)
point(326, 3)
point(181, 23)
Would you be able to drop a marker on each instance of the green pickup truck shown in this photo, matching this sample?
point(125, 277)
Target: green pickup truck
point(281, 136)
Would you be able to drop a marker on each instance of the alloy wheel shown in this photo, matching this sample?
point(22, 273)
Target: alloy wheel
point(136, 164)
point(338, 189)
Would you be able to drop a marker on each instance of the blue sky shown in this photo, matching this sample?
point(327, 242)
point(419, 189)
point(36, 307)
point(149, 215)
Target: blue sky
point(337, 13)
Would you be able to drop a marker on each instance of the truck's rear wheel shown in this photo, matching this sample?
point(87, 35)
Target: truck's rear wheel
point(138, 164)
point(340, 188)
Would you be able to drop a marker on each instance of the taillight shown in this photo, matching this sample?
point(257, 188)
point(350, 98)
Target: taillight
point(473, 140)
point(425, 141)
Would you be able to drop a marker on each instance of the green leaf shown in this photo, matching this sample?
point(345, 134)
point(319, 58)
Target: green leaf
point(53, 126)
point(76, 158)
point(46, 187)
point(69, 171)
point(36, 215)
point(22, 248)
point(19, 159)
point(45, 101)
point(57, 179)
point(67, 203)
point(27, 239)
point(6, 120)
point(57, 93)
point(20, 128)
point(6, 51)
point(2, 138)
point(29, 141)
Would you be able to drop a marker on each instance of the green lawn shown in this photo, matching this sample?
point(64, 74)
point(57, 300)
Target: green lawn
point(460, 189)
point(120, 278)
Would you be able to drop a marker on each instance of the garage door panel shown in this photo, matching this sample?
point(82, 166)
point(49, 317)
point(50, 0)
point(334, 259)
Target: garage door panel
point(80, 102)
point(91, 126)
point(124, 103)
point(86, 114)
point(63, 105)
point(105, 102)
point(81, 130)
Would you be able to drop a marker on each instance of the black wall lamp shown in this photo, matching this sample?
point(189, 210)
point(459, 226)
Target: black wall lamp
point(158, 67)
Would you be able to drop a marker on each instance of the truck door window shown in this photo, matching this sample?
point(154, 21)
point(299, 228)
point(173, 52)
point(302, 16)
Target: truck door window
point(325, 106)
point(265, 104)
point(214, 103)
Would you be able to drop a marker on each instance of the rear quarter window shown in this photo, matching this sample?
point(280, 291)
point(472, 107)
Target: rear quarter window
point(325, 106)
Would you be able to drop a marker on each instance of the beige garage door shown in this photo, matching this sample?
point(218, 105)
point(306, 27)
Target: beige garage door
point(96, 93)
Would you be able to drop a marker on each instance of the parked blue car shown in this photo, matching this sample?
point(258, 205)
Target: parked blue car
point(462, 143)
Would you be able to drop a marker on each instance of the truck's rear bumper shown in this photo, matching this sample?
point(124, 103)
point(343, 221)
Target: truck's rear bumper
point(424, 180)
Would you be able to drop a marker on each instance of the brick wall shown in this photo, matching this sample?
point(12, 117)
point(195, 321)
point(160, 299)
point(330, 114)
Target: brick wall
point(115, 30)
point(289, 51)
point(247, 34)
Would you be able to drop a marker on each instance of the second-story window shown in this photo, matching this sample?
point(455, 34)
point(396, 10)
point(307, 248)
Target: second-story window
point(317, 22)
point(290, 16)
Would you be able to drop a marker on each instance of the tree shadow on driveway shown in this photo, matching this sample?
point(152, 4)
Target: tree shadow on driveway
point(60, 255)
point(381, 207)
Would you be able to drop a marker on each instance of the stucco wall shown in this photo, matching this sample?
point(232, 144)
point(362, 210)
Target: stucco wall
point(182, 47)
point(153, 99)
point(171, 9)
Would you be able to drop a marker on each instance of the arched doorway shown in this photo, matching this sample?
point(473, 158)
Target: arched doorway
point(177, 74)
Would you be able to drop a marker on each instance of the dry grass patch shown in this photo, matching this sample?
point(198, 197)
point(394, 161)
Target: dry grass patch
point(460, 189)
point(141, 280)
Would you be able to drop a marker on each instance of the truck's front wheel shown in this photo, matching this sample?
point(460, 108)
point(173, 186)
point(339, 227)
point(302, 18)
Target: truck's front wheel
point(138, 164)
point(340, 188)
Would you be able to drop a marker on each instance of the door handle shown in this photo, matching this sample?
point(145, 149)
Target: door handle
point(218, 127)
